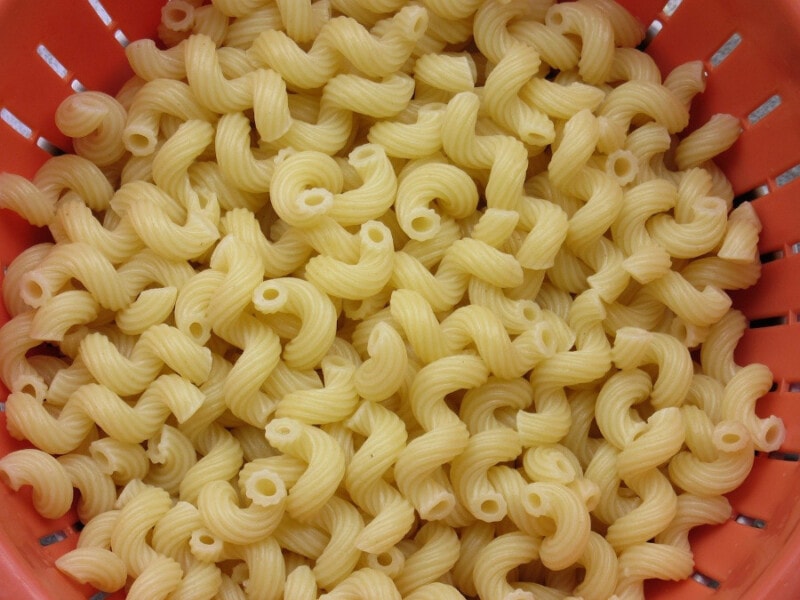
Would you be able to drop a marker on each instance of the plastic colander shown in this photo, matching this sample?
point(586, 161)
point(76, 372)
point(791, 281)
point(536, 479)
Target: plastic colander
point(751, 49)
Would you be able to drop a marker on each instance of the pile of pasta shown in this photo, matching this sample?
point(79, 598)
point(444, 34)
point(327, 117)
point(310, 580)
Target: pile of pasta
point(384, 299)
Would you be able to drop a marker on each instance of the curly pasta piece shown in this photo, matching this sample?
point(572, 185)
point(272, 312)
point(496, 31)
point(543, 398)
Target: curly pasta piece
point(220, 511)
point(420, 185)
point(98, 567)
point(438, 551)
point(158, 346)
point(94, 120)
point(51, 482)
point(325, 459)
point(221, 460)
point(315, 310)
point(445, 434)
point(172, 455)
point(497, 558)
point(634, 347)
point(150, 105)
point(589, 361)
point(367, 276)
point(362, 584)
point(561, 517)
point(650, 561)
point(738, 404)
point(501, 97)
point(657, 509)
point(332, 403)
point(393, 515)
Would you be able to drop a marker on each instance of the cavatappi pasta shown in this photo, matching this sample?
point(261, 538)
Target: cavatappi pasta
point(384, 299)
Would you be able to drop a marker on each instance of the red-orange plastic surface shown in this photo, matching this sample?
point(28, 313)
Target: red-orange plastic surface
point(746, 562)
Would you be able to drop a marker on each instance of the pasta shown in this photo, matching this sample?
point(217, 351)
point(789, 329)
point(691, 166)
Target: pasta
point(384, 299)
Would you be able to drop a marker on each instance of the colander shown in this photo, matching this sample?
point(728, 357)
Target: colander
point(751, 50)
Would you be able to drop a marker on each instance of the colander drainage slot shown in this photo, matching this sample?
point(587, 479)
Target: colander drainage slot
point(788, 176)
point(99, 596)
point(725, 50)
point(766, 107)
point(58, 67)
point(53, 538)
point(671, 6)
point(15, 123)
point(705, 580)
point(767, 322)
point(750, 195)
point(106, 19)
point(51, 61)
point(121, 38)
point(652, 31)
point(784, 456)
point(769, 257)
point(101, 11)
point(751, 521)
point(49, 146)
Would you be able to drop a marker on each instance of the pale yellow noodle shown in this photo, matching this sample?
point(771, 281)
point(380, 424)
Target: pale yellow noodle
point(94, 120)
point(98, 567)
point(51, 483)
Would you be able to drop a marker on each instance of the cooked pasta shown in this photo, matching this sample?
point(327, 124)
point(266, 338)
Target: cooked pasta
point(384, 299)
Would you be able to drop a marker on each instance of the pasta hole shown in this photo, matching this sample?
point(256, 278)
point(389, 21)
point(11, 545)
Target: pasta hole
point(140, 144)
point(206, 539)
point(281, 429)
point(178, 15)
point(313, 200)
point(774, 435)
point(554, 18)
point(384, 559)
point(731, 438)
point(265, 486)
point(375, 235)
point(196, 330)
point(529, 313)
point(622, 167)
point(534, 501)
point(548, 339)
point(422, 224)
point(32, 291)
point(563, 466)
point(270, 294)
point(419, 25)
point(490, 507)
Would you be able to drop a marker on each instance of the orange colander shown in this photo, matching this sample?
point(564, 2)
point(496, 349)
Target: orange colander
point(752, 55)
